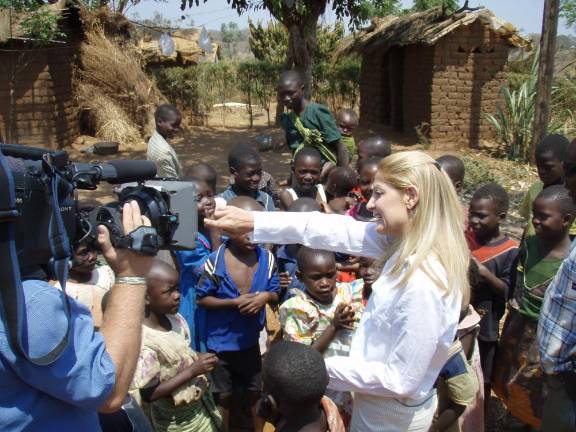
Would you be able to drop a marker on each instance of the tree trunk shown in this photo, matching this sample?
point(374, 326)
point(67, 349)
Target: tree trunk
point(545, 73)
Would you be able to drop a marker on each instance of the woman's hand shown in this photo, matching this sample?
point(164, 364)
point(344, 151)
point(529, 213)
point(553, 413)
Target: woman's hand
point(232, 221)
point(125, 262)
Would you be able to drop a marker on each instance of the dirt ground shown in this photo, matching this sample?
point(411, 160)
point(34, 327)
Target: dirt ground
point(211, 144)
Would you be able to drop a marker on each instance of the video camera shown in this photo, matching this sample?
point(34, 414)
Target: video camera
point(169, 204)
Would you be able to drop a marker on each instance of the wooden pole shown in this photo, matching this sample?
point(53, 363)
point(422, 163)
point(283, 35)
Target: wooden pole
point(545, 72)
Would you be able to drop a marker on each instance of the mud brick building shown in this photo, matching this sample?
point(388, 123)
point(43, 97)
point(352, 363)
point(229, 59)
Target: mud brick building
point(36, 98)
point(37, 104)
point(436, 73)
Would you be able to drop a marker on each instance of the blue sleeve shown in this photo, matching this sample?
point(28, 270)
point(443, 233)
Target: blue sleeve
point(193, 261)
point(274, 282)
point(206, 286)
point(84, 374)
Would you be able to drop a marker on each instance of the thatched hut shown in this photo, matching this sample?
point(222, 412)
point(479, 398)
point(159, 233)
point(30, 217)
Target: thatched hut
point(436, 73)
point(36, 96)
point(187, 50)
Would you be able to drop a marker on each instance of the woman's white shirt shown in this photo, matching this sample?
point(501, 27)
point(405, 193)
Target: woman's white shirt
point(403, 338)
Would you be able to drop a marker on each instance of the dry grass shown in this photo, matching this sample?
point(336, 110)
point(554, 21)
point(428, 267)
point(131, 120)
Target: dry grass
point(109, 120)
point(113, 74)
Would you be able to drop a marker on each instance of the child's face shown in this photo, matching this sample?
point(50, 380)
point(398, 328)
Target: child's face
point(243, 243)
point(163, 294)
point(367, 271)
point(170, 127)
point(549, 168)
point(346, 124)
point(290, 94)
point(367, 174)
point(549, 221)
point(484, 218)
point(307, 173)
point(204, 199)
point(247, 177)
point(84, 259)
point(319, 277)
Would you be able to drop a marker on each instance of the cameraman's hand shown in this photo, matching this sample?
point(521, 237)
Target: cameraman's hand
point(125, 262)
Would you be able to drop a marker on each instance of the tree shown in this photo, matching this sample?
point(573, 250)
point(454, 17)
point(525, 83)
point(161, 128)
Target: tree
point(300, 17)
point(231, 34)
point(447, 5)
point(568, 11)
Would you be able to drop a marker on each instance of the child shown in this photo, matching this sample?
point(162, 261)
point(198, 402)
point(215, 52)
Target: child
point(286, 254)
point(347, 122)
point(457, 388)
point(367, 171)
point(294, 399)
point(324, 315)
point(375, 145)
point(309, 124)
point(191, 264)
point(495, 255)
point(367, 275)
point(205, 172)
point(240, 278)
point(306, 169)
point(518, 378)
point(341, 182)
point(87, 283)
point(168, 120)
point(169, 375)
point(550, 153)
point(246, 167)
point(454, 167)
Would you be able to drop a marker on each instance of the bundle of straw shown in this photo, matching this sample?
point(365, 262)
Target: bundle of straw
point(110, 121)
point(117, 75)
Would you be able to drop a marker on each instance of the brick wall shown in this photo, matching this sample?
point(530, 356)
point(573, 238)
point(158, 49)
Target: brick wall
point(418, 65)
point(469, 70)
point(43, 113)
point(372, 91)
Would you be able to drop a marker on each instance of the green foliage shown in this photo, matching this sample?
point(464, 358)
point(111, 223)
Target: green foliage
point(257, 82)
point(337, 84)
point(423, 5)
point(270, 43)
point(42, 26)
point(38, 22)
point(513, 119)
point(181, 86)
point(231, 35)
point(562, 116)
point(568, 11)
point(197, 88)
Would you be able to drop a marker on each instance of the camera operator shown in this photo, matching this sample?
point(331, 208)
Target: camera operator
point(94, 371)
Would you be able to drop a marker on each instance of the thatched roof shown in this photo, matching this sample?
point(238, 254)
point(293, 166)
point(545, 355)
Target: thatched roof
point(425, 28)
point(187, 50)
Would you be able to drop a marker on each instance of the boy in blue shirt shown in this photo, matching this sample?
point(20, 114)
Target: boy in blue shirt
point(191, 263)
point(240, 278)
point(246, 168)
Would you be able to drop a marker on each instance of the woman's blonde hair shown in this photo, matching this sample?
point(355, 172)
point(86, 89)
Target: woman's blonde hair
point(436, 222)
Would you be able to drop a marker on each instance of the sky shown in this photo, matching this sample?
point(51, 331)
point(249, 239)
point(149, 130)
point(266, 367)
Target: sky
point(526, 15)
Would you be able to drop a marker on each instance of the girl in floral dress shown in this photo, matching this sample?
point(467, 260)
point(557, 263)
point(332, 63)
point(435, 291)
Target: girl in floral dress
point(170, 376)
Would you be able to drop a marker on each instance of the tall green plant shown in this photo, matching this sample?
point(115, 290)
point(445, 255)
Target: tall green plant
point(514, 117)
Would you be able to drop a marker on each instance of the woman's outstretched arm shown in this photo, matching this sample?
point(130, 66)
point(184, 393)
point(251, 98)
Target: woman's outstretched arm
point(317, 230)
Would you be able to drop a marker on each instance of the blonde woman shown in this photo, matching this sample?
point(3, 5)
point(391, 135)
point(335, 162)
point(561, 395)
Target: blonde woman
point(411, 319)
